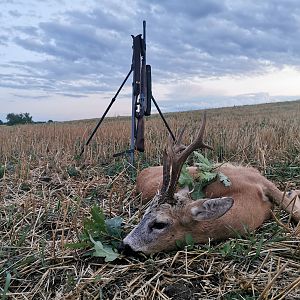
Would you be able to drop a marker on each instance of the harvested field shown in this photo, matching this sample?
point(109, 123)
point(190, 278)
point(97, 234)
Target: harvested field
point(46, 191)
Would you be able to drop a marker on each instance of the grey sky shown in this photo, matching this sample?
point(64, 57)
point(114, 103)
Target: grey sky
point(64, 60)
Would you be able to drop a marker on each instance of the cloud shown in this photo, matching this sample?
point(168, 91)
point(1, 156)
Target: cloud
point(87, 50)
point(69, 43)
point(31, 31)
point(190, 8)
point(73, 95)
point(104, 18)
point(22, 96)
point(4, 40)
point(15, 13)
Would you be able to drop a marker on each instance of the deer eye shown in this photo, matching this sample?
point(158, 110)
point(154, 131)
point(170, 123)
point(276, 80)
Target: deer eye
point(159, 225)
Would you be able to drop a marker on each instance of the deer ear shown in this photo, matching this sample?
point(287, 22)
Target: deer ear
point(210, 209)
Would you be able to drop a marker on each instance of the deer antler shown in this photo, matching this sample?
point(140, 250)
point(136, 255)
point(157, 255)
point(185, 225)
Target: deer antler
point(174, 157)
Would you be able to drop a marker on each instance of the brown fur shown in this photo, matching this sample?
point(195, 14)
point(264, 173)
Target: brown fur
point(253, 197)
point(242, 206)
point(246, 183)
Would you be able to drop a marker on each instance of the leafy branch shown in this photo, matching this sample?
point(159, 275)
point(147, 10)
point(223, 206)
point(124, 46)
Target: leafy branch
point(206, 174)
point(100, 234)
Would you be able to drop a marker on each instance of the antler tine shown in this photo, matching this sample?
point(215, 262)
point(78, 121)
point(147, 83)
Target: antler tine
point(166, 172)
point(177, 155)
point(198, 142)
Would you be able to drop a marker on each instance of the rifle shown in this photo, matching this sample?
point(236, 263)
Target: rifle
point(140, 88)
point(141, 98)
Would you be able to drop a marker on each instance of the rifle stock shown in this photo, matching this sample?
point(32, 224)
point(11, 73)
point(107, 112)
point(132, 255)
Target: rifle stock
point(140, 138)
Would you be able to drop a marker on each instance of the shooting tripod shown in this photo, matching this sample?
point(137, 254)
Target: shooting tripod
point(141, 98)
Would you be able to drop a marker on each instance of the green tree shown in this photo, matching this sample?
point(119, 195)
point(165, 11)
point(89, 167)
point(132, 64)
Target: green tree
point(1, 123)
point(23, 118)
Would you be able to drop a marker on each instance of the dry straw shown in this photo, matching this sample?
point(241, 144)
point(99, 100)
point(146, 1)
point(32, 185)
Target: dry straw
point(46, 191)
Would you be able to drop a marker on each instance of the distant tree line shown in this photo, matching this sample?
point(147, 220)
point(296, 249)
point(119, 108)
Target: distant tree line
point(22, 118)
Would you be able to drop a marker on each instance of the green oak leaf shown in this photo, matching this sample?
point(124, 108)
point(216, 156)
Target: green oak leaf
point(98, 217)
point(224, 179)
point(208, 176)
point(197, 192)
point(114, 227)
point(102, 250)
point(202, 162)
point(189, 240)
point(185, 178)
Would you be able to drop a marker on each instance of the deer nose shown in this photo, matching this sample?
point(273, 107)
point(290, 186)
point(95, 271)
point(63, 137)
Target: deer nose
point(125, 249)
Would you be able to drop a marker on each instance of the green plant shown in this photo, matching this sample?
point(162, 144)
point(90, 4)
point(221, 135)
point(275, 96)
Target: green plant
point(2, 171)
point(73, 171)
point(188, 242)
point(6, 286)
point(206, 174)
point(100, 234)
point(240, 295)
point(25, 186)
point(23, 235)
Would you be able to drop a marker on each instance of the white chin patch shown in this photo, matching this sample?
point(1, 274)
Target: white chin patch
point(194, 211)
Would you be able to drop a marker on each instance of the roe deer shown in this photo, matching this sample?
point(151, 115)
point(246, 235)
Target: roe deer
point(243, 205)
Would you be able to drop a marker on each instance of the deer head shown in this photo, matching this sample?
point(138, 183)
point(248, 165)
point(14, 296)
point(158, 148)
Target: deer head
point(171, 215)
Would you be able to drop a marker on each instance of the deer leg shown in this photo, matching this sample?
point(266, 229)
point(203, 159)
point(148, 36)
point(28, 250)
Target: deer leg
point(292, 203)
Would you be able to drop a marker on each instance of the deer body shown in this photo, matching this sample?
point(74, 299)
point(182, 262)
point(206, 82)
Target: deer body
point(226, 210)
point(248, 189)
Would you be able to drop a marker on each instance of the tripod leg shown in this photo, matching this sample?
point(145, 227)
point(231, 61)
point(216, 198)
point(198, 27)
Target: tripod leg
point(106, 111)
point(163, 118)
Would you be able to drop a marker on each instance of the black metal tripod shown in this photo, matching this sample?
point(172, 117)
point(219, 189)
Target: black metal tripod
point(141, 98)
